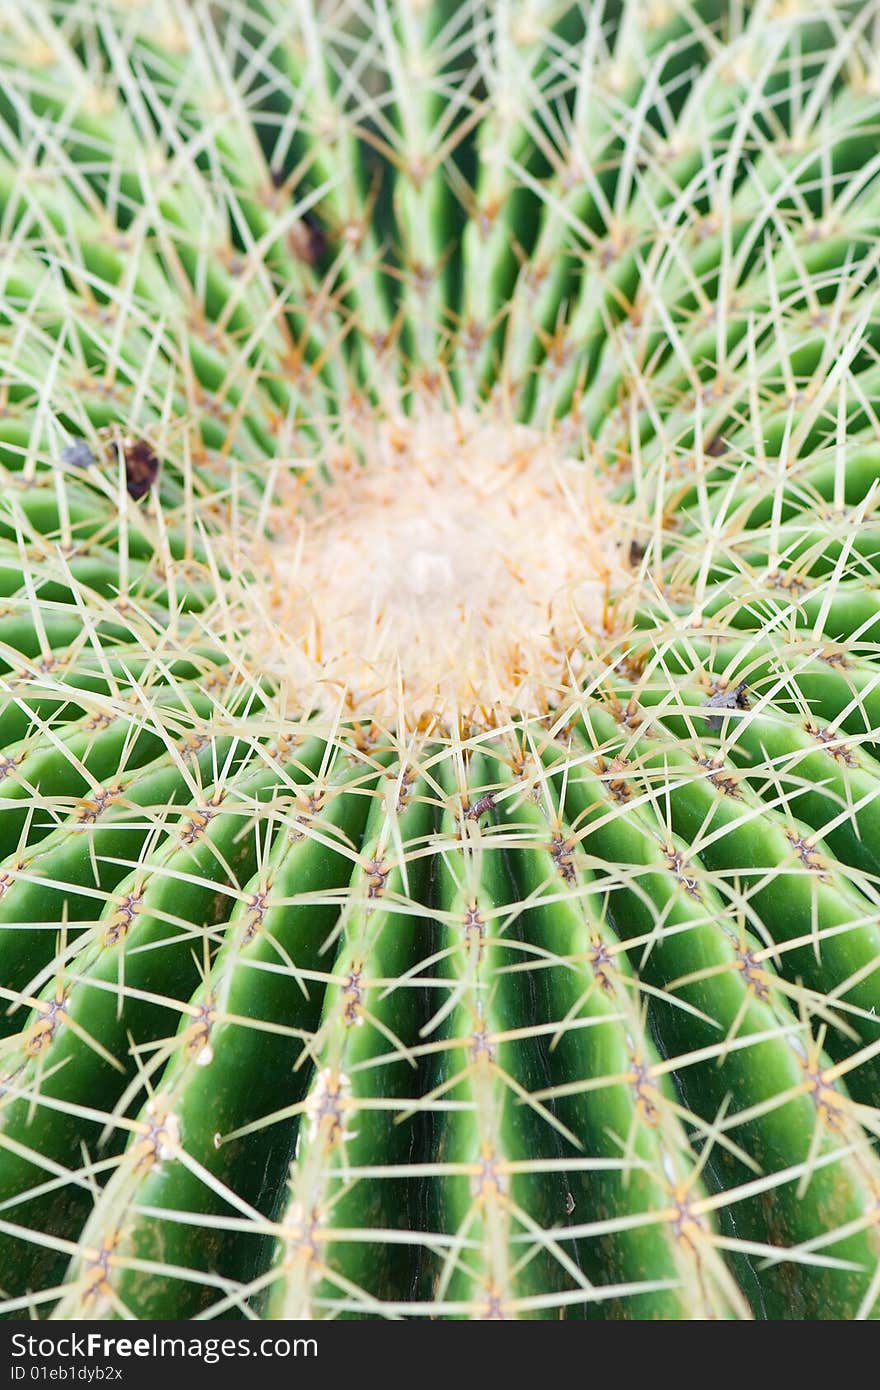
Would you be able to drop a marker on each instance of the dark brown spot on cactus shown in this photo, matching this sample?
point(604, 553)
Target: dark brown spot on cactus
point(141, 467)
point(484, 804)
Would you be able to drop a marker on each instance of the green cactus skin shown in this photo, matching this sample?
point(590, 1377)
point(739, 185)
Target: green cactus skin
point(555, 998)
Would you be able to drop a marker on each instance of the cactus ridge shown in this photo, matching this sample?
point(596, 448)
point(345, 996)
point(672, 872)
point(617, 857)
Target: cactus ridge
point(533, 977)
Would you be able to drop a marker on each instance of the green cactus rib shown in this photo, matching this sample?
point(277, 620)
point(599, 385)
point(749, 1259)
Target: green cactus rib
point(321, 998)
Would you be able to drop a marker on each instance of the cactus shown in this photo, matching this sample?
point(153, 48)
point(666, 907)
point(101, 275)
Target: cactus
point(439, 633)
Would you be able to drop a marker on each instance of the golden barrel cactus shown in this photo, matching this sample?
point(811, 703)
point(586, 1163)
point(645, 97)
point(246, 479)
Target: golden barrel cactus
point(439, 680)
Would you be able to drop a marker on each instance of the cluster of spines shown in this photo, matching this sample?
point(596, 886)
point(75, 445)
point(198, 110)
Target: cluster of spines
point(500, 993)
point(253, 285)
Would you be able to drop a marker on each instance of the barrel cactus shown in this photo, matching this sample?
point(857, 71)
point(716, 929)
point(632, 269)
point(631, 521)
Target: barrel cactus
point(439, 681)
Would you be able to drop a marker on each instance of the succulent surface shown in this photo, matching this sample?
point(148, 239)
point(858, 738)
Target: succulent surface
point(439, 681)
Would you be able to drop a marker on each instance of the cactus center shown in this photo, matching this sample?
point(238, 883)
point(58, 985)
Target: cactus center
point(453, 567)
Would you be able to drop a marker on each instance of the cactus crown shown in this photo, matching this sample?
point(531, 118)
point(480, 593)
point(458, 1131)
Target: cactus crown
point(450, 579)
point(439, 633)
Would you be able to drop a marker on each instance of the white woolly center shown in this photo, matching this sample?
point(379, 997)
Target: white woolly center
point(458, 567)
